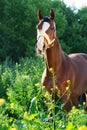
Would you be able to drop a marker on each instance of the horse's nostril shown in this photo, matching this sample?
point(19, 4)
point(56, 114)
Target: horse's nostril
point(44, 46)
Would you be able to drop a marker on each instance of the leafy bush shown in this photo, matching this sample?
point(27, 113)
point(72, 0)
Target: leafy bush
point(25, 105)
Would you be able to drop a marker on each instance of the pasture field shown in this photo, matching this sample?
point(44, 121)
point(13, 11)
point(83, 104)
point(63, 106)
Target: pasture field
point(25, 105)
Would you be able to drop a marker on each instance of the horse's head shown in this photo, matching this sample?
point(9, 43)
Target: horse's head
point(46, 32)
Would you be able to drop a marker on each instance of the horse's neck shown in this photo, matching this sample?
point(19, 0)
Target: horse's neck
point(54, 57)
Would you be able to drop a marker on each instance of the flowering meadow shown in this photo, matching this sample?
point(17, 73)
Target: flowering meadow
point(26, 105)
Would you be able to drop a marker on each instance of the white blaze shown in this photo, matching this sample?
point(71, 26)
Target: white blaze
point(40, 34)
point(45, 26)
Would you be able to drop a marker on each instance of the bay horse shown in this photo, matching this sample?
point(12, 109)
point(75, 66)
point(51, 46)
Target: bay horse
point(71, 67)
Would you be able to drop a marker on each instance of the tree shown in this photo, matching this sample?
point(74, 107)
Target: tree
point(13, 28)
point(18, 20)
point(75, 33)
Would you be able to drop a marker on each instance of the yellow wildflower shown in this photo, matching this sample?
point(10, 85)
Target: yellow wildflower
point(70, 126)
point(51, 89)
point(43, 87)
point(12, 105)
point(67, 88)
point(2, 101)
point(46, 94)
point(25, 115)
point(83, 128)
point(51, 69)
point(68, 81)
point(56, 87)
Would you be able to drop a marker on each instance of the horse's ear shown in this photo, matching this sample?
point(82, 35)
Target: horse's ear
point(52, 14)
point(39, 14)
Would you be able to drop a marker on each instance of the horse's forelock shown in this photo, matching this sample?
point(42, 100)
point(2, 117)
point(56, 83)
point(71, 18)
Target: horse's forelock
point(46, 19)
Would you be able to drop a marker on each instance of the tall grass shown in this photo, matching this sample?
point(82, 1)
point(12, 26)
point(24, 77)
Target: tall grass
point(25, 105)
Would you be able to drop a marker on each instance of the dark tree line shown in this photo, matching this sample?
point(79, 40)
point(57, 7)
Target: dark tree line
point(18, 19)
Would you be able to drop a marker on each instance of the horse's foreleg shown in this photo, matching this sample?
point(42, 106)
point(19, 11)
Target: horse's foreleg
point(74, 101)
point(68, 105)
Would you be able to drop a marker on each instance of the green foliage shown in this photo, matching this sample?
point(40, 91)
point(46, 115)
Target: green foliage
point(13, 24)
point(75, 32)
point(18, 19)
point(25, 105)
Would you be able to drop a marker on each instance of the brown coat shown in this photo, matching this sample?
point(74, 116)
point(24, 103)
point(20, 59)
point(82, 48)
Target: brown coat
point(66, 67)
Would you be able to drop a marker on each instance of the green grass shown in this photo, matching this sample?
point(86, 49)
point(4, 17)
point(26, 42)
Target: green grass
point(24, 105)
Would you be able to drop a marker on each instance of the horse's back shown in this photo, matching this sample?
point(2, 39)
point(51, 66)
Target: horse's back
point(79, 58)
